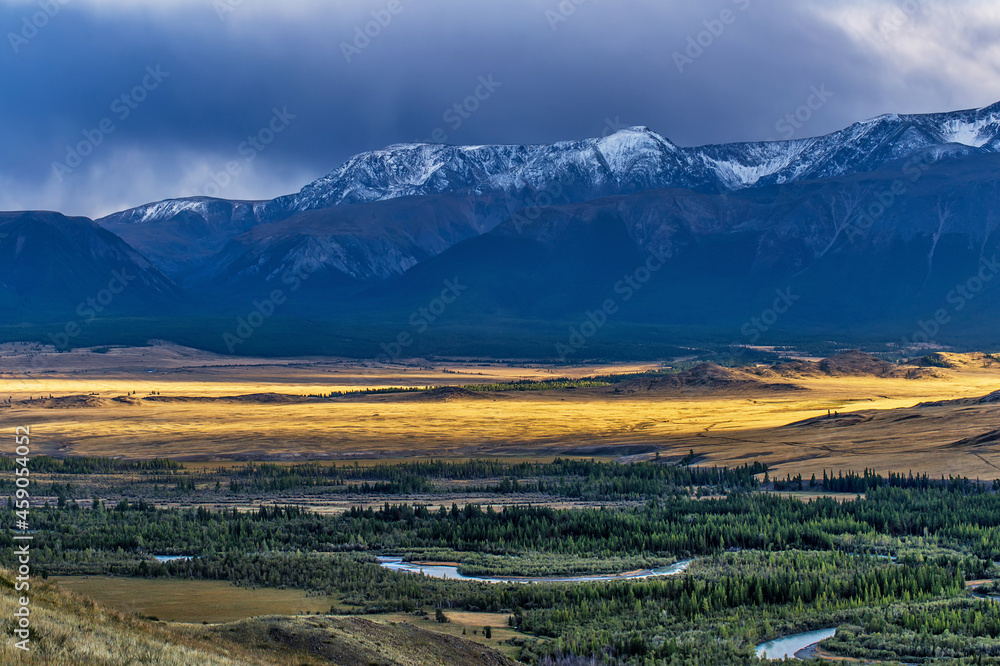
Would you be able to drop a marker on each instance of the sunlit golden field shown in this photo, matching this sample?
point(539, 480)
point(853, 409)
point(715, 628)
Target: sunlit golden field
point(194, 601)
point(32, 370)
point(722, 426)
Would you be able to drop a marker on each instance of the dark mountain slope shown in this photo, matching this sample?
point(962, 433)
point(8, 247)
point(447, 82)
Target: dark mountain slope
point(180, 235)
point(49, 264)
point(727, 258)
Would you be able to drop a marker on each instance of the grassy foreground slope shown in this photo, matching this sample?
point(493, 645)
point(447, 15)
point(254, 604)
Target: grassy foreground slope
point(71, 630)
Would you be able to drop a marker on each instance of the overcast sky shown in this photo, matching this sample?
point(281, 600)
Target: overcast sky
point(78, 77)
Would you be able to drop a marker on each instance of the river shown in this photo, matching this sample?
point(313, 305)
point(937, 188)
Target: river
point(787, 646)
point(446, 572)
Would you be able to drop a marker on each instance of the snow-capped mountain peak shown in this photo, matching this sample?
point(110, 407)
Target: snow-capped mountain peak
point(504, 179)
point(628, 160)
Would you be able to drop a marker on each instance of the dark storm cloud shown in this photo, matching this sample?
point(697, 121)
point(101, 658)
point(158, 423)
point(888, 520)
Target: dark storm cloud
point(520, 71)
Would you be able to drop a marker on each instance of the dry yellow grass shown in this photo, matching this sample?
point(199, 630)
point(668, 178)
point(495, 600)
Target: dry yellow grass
point(71, 630)
point(75, 631)
point(471, 623)
point(727, 427)
point(32, 371)
point(192, 600)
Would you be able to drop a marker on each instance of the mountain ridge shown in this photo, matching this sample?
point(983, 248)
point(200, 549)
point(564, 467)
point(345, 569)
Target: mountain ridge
point(413, 169)
point(182, 235)
point(876, 225)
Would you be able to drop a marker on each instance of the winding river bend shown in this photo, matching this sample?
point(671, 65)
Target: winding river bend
point(787, 646)
point(446, 572)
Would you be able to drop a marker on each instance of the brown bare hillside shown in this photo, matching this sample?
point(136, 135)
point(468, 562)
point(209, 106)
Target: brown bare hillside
point(853, 363)
point(952, 360)
point(446, 393)
point(355, 641)
point(70, 630)
point(254, 398)
point(64, 402)
point(704, 377)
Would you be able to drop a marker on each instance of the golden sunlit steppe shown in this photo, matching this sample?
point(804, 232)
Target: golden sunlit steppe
point(167, 401)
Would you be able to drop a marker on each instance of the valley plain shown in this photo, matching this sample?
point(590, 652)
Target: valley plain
point(179, 487)
point(171, 402)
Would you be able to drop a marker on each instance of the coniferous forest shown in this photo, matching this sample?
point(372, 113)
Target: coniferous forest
point(883, 558)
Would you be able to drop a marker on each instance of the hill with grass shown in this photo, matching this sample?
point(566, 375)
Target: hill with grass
point(71, 630)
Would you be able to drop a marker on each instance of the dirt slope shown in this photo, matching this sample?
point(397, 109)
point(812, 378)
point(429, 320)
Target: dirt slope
point(70, 630)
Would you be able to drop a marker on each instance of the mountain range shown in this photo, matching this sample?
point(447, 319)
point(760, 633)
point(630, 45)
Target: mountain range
point(883, 230)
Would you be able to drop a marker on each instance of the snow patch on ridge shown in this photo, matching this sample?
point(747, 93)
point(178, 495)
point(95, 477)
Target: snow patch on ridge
point(169, 208)
point(967, 133)
point(754, 161)
point(736, 174)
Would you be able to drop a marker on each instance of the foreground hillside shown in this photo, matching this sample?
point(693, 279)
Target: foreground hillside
point(74, 631)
